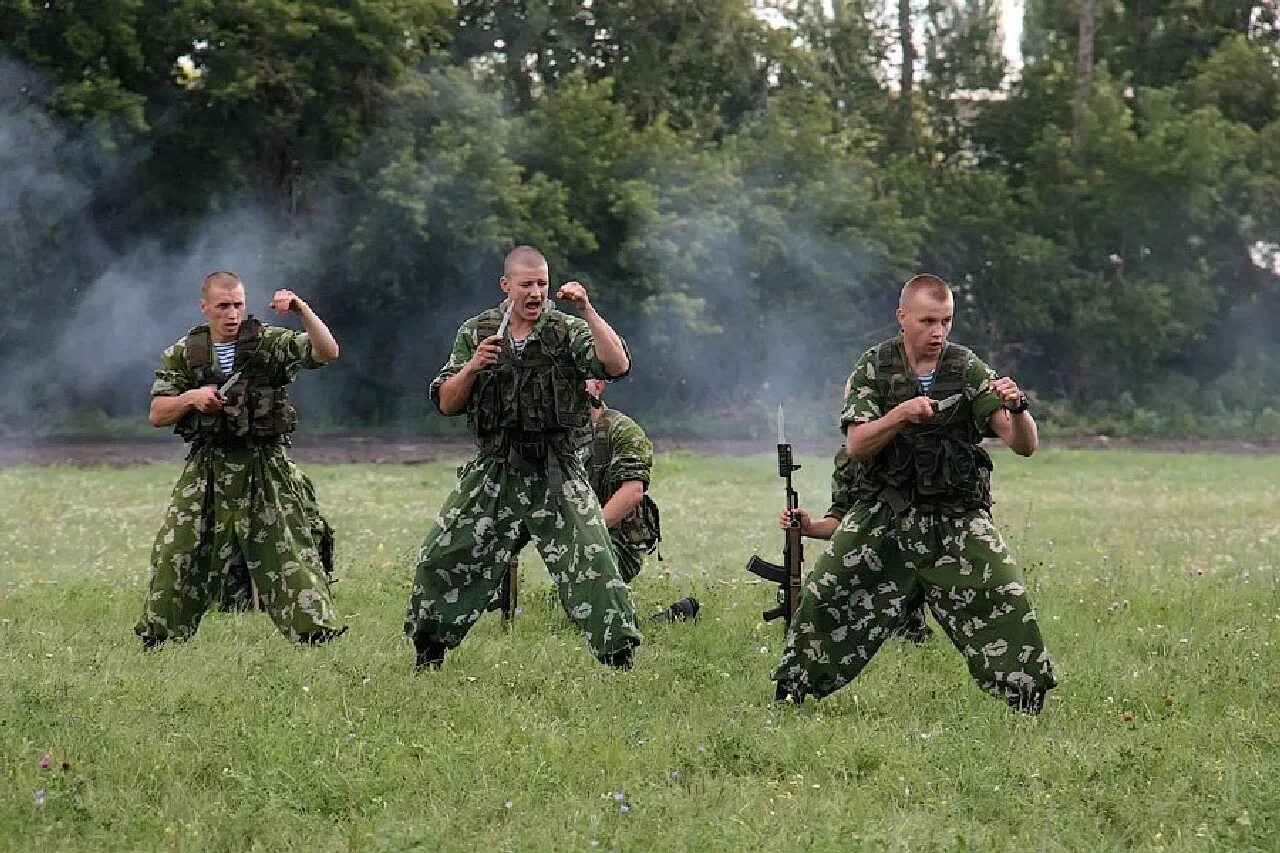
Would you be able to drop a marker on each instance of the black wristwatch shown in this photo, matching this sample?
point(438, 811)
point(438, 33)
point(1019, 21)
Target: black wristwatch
point(1023, 405)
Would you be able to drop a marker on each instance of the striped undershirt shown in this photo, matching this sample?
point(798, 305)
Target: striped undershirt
point(226, 356)
point(926, 381)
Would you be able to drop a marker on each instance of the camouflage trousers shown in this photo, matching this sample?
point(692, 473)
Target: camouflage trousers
point(493, 511)
point(228, 504)
point(879, 567)
point(630, 557)
point(238, 588)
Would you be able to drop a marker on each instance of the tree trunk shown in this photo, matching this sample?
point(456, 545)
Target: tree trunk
point(1084, 77)
point(907, 79)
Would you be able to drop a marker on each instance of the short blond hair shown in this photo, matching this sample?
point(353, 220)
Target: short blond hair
point(522, 256)
point(219, 278)
point(925, 282)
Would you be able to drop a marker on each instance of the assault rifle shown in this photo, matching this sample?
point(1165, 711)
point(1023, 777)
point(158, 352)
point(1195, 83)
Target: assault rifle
point(788, 575)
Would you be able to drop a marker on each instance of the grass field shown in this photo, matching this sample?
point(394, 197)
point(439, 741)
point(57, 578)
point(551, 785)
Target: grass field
point(1155, 577)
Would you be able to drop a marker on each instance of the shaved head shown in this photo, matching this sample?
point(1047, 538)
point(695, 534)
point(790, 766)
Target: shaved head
point(924, 283)
point(522, 256)
point(219, 278)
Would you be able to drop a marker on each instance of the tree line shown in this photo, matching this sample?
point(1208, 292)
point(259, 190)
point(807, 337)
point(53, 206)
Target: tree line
point(742, 186)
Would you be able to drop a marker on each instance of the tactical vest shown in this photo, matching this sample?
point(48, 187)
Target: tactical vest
point(642, 526)
point(257, 407)
point(938, 466)
point(526, 407)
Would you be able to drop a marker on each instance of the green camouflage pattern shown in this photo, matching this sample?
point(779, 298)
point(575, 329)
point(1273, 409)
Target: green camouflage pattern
point(581, 347)
point(230, 502)
point(237, 593)
point(881, 564)
point(862, 400)
point(844, 489)
point(618, 451)
point(247, 505)
point(491, 513)
point(285, 353)
point(497, 506)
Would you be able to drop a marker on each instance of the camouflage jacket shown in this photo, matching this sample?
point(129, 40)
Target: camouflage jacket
point(582, 349)
point(575, 356)
point(844, 480)
point(278, 359)
point(938, 466)
point(618, 451)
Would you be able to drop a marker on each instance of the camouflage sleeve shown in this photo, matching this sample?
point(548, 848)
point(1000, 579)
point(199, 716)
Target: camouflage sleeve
point(464, 346)
point(841, 488)
point(582, 345)
point(632, 453)
point(290, 349)
point(173, 377)
point(861, 400)
point(977, 387)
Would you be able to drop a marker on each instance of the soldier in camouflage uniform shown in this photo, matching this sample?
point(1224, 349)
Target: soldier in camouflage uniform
point(920, 530)
point(619, 459)
point(844, 482)
point(524, 396)
point(239, 494)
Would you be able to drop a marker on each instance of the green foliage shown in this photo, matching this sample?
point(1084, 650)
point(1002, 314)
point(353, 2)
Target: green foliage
point(734, 193)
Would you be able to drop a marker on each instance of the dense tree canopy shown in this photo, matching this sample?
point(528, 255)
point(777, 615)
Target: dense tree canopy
point(742, 186)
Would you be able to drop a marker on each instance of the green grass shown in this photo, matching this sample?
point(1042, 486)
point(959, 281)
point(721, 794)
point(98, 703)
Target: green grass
point(1154, 576)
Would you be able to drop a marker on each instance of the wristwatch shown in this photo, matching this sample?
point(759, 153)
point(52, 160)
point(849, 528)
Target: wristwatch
point(1023, 405)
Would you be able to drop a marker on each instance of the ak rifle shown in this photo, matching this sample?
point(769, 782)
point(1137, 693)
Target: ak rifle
point(787, 576)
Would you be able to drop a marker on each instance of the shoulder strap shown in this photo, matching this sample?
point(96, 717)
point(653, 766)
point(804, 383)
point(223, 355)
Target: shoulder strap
point(487, 323)
point(249, 340)
point(197, 347)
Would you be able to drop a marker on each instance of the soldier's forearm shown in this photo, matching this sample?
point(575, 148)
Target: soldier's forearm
point(624, 500)
point(824, 529)
point(324, 347)
point(609, 348)
point(1024, 435)
point(167, 411)
point(863, 441)
point(456, 391)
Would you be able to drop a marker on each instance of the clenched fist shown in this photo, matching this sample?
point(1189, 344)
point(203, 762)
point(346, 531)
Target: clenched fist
point(285, 302)
point(575, 294)
point(917, 410)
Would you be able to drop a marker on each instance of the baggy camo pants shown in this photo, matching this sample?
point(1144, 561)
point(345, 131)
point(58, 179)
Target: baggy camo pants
point(494, 510)
point(228, 502)
point(879, 567)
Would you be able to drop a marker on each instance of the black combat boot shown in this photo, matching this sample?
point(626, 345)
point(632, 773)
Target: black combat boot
point(781, 693)
point(324, 635)
point(150, 644)
point(430, 654)
point(680, 611)
point(1029, 702)
point(623, 659)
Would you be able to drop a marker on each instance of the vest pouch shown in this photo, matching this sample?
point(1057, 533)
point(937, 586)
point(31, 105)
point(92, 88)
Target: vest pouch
point(284, 417)
point(572, 407)
point(641, 529)
point(486, 403)
point(931, 472)
point(968, 473)
point(537, 400)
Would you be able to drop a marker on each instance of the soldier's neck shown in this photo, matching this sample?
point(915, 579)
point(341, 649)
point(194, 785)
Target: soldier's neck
point(921, 364)
point(519, 328)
